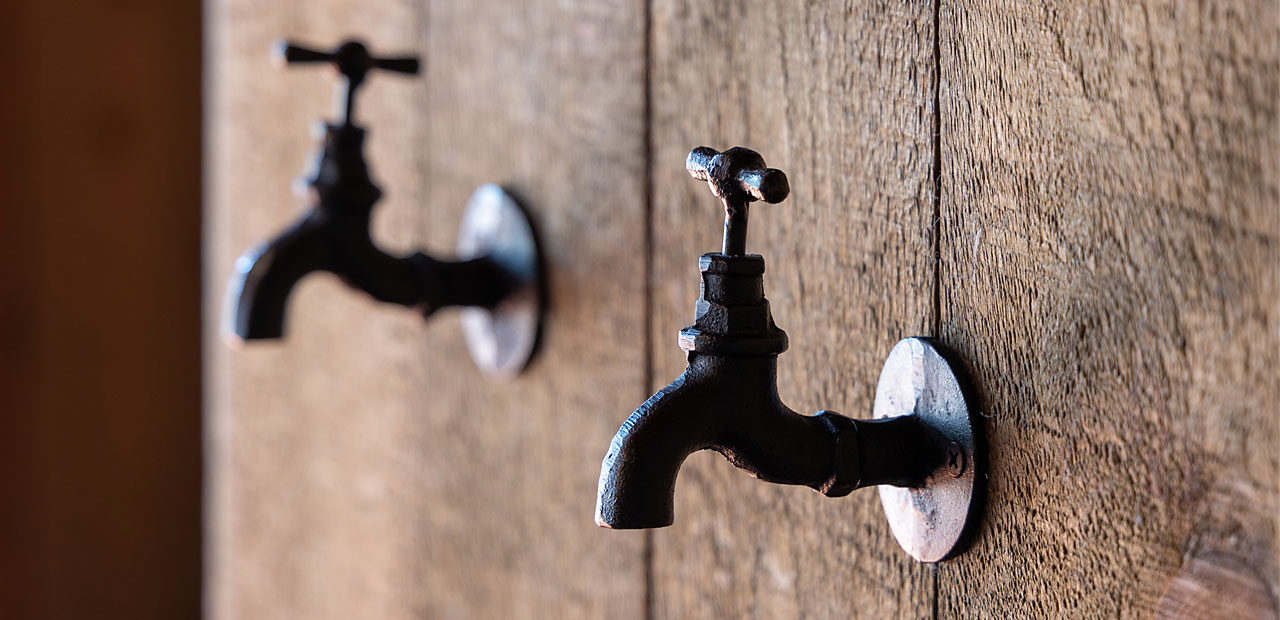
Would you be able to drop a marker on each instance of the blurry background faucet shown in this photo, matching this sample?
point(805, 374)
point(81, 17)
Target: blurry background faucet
point(496, 276)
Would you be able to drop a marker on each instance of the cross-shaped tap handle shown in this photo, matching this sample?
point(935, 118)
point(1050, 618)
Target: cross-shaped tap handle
point(737, 177)
point(352, 60)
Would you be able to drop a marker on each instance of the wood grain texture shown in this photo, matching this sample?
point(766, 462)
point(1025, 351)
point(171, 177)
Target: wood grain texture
point(840, 98)
point(363, 467)
point(1110, 258)
point(1217, 588)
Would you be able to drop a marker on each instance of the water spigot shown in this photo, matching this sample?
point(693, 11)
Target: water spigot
point(496, 278)
point(920, 448)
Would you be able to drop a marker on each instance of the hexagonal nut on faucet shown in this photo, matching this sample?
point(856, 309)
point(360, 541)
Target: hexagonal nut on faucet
point(719, 319)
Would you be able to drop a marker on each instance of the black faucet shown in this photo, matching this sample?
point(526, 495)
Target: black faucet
point(727, 399)
point(334, 236)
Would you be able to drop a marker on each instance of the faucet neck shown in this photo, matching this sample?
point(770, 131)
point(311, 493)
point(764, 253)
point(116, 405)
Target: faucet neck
point(732, 316)
point(339, 175)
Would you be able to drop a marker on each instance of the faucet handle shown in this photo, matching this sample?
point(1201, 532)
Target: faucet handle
point(735, 172)
point(737, 177)
point(352, 59)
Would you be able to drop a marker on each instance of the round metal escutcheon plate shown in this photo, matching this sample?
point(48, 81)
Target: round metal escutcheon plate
point(930, 522)
point(502, 339)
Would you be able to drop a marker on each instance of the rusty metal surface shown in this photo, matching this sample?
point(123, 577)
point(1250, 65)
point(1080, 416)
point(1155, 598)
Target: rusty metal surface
point(727, 400)
point(333, 235)
point(932, 519)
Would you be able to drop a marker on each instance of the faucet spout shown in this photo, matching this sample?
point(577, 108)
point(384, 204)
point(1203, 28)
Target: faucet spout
point(265, 275)
point(726, 404)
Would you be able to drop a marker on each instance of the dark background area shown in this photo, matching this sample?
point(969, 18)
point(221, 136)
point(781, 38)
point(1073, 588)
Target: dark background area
point(100, 470)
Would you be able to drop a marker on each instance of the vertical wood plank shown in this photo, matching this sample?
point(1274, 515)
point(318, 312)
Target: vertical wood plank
point(839, 97)
point(1109, 265)
point(363, 467)
point(100, 310)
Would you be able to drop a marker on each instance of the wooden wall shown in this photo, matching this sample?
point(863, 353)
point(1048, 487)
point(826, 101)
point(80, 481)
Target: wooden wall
point(100, 469)
point(1111, 266)
point(364, 467)
point(1084, 199)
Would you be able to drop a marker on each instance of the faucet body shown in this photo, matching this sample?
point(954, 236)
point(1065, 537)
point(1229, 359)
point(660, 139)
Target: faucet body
point(334, 236)
point(498, 278)
point(920, 448)
point(727, 400)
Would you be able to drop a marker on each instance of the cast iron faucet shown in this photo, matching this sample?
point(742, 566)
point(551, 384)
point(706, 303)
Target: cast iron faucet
point(727, 399)
point(334, 234)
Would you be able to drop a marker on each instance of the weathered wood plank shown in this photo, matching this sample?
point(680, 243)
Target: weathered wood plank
point(1110, 258)
point(364, 468)
point(840, 98)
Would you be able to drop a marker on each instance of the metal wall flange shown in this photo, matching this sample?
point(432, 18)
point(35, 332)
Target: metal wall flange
point(502, 338)
point(931, 521)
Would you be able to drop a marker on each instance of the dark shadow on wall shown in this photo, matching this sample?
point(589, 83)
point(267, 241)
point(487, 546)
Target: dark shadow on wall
point(100, 459)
